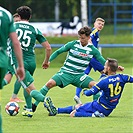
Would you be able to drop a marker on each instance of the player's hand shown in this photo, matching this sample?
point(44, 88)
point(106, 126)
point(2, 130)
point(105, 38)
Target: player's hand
point(83, 93)
point(20, 73)
point(120, 68)
point(45, 65)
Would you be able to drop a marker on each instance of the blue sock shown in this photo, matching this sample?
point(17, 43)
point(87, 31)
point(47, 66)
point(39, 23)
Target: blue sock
point(66, 110)
point(78, 91)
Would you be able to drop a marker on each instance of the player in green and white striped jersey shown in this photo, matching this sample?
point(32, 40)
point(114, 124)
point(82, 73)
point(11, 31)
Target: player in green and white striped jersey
point(80, 52)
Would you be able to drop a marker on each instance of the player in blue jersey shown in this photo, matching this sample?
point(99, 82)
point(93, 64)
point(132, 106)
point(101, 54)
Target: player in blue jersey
point(94, 63)
point(111, 86)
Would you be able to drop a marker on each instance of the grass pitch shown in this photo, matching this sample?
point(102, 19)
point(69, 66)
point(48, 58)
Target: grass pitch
point(120, 121)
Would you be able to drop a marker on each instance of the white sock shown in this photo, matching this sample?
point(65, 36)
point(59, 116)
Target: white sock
point(93, 115)
point(14, 96)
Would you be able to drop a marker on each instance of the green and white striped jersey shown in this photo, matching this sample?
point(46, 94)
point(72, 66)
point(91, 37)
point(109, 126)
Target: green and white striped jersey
point(78, 56)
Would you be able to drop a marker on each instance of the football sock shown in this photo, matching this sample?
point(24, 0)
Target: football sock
point(43, 91)
point(4, 82)
point(96, 96)
point(78, 91)
point(37, 95)
point(17, 87)
point(28, 99)
point(66, 110)
point(14, 96)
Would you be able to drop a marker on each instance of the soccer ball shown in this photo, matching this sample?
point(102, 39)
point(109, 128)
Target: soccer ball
point(12, 108)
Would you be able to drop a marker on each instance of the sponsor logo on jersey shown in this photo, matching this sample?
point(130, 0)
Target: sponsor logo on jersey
point(114, 79)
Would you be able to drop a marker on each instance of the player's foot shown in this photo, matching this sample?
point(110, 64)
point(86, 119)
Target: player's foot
point(50, 106)
point(77, 100)
point(97, 114)
point(27, 113)
point(16, 100)
point(33, 107)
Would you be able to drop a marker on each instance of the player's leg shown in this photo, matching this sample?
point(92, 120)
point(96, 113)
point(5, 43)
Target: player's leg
point(54, 81)
point(17, 87)
point(0, 121)
point(28, 110)
point(78, 89)
point(2, 74)
point(97, 66)
point(68, 109)
point(7, 78)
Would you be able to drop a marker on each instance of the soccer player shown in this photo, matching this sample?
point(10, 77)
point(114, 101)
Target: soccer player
point(7, 30)
point(94, 63)
point(80, 52)
point(10, 72)
point(111, 86)
point(27, 35)
point(16, 17)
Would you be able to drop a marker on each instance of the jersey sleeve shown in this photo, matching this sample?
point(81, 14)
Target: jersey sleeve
point(93, 33)
point(64, 48)
point(98, 56)
point(127, 78)
point(40, 38)
point(12, 27)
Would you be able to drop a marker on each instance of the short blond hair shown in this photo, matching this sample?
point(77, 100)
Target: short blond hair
point(100, 19)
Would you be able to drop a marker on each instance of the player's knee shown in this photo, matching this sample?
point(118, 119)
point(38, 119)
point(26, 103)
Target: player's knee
point(91, 84)
point(51, 83)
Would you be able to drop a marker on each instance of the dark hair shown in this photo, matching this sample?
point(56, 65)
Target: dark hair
point(113, 64)
point(24, 12)
point(15, 15)
point(85, 30)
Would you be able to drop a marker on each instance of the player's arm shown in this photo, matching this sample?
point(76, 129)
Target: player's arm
point(95, 89)
point(98, 56)
point(92, 91)
point(48, 50)
point(18, 53)
point(43, 41)
point(64, 48)
point(127, 78)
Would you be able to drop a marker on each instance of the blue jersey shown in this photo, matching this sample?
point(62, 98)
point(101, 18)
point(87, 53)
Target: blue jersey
point(112, 88)
point(95, 37)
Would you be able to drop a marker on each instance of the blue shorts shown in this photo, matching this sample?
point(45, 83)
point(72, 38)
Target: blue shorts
point(87, 109)
point(95, 64)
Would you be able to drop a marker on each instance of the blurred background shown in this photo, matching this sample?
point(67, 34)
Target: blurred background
point(116, 38)
point(117, 13)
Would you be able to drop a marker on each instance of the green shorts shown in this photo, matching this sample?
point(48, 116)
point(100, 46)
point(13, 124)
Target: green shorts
point(10, 69)
point(63, 79)
point(30, 66)
point(2, 74)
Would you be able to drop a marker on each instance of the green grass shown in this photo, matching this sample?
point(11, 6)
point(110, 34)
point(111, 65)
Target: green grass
point(120, 121)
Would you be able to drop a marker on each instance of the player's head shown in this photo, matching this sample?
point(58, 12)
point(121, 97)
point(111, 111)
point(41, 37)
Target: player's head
point(84, 35)
point(24, 12)
point(111, 66)
point(16, 17)
point(99, 23)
